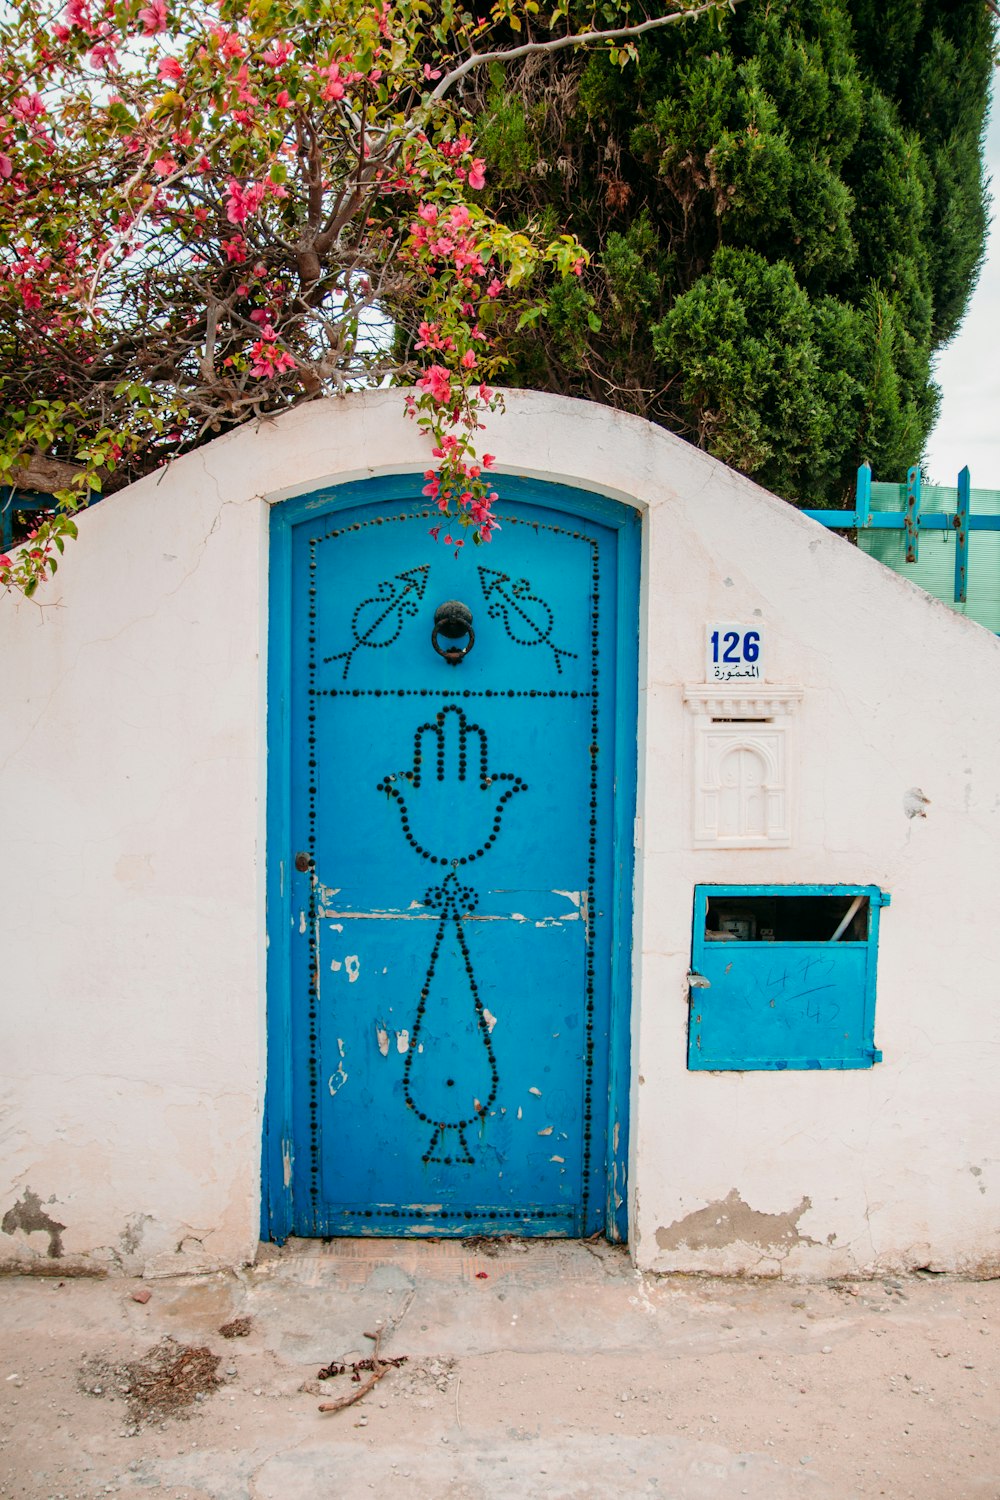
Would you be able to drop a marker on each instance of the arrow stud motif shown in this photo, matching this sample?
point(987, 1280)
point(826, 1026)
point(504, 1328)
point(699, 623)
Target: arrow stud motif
point(378, 620)
point(527, 618)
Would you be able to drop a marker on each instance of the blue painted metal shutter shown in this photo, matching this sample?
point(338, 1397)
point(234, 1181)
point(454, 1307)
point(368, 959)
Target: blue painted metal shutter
point(783, 1005)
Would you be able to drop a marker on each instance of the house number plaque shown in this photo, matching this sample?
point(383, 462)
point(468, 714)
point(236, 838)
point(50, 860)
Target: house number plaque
point(734, 653)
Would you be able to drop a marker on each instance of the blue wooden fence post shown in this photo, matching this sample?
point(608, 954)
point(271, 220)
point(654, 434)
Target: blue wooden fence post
point(961, 523)
point(956, 515)
point(912, 521)
point(863, 497)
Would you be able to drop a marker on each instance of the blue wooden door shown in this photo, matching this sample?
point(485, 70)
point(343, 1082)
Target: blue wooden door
point(448, 991)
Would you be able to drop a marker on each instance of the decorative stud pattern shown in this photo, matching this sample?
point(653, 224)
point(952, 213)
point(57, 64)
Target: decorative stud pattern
point(450, 693)
point(457, 1215)
point(377, 621)
point(452, 739)
point(453, 901)
point(460, 751)
point(528, 621)
point(526, 617)
point(312, 1070)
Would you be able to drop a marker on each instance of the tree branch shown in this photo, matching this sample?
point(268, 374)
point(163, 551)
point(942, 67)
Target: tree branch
point(578, 39)
point(43, 474)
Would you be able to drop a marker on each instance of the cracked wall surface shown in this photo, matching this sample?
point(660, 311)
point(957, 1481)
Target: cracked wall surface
point(132, 1077)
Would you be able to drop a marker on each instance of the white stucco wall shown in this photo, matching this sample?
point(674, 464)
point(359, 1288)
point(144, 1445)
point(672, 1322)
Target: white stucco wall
point(131, 825)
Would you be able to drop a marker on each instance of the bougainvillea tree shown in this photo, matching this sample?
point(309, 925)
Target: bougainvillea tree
point(213, 209)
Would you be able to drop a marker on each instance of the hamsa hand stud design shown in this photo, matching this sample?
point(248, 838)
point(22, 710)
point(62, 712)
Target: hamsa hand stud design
point(449, 787)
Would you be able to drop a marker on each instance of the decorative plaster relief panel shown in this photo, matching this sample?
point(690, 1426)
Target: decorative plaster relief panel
point(742, 751)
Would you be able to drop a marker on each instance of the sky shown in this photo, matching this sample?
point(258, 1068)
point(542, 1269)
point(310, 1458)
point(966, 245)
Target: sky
point(968, 370)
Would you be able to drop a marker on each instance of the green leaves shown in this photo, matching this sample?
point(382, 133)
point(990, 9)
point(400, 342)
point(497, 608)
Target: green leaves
point(754, 234)
point(222, 217)
point(740, 343)
point(765, 182)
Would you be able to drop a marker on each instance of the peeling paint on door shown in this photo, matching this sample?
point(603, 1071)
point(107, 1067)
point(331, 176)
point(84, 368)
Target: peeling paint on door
point(339, 1078)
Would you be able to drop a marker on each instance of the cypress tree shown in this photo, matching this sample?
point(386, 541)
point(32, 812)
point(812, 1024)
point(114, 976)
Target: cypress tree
point(786, 216)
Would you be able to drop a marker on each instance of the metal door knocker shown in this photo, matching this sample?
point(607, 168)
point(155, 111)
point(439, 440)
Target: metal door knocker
point(453, 620)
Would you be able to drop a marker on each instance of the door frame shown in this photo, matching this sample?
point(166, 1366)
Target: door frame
point(626, 521)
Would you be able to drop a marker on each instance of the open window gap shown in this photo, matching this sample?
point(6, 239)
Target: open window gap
point(787, 919)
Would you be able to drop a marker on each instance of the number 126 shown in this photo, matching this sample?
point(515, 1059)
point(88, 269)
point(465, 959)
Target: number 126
point(731, 646)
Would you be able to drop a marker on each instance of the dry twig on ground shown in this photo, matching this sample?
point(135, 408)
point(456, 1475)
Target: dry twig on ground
point(375, 1364)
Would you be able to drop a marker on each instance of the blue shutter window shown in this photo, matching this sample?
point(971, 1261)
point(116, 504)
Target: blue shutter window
point(783, 976)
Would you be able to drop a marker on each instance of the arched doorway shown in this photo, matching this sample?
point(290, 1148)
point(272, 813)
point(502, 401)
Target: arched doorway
point(450, 865)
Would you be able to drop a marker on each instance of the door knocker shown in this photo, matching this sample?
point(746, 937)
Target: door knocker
point(453, 620)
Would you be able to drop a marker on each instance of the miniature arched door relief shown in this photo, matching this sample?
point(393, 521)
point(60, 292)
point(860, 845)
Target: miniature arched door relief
point(448, 1003)
point(747, 773)
point(742, 785)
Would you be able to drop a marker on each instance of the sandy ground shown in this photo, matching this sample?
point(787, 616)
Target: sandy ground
point(537, 1370)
